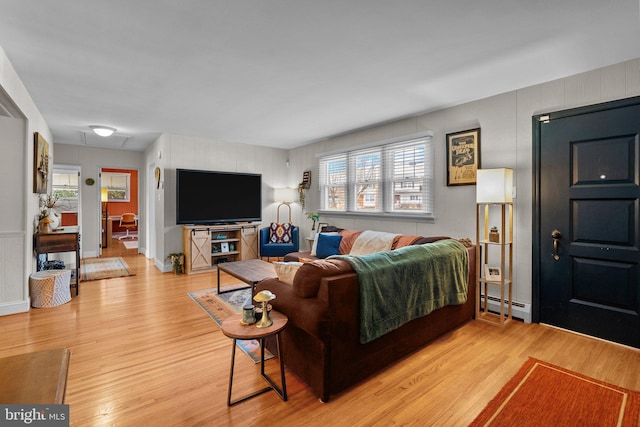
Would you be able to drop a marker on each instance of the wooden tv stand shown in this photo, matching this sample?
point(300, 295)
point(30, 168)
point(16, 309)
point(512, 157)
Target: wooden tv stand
point(205, 246)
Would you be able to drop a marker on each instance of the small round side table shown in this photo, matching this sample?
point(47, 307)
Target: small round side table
point(232, 328)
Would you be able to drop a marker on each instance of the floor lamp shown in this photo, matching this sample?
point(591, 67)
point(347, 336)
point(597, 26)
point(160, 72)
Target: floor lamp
point(285, 196)
point(494, 187)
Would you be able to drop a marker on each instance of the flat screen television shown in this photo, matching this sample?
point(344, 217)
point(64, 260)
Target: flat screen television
point(210, 197)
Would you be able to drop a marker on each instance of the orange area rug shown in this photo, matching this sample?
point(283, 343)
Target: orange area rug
point(542, 394)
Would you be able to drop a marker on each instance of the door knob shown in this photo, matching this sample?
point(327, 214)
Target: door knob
point(556, 236)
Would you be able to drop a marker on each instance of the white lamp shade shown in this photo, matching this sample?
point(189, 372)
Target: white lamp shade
point(104, 194)
point(494, 185)
point(284, 195)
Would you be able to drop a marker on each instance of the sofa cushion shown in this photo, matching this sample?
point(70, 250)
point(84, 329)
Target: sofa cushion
point(328, 245)
point(348, 237)
point(307, 280)
point(280, 233)
point(423, 240)
point(314, 247)
point(286, 271)
point(401, 241)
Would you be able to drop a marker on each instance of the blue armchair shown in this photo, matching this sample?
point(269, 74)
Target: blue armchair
point(268, 249)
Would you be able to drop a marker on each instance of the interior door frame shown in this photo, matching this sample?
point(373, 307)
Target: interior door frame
point(140, 197)
point(537, 120)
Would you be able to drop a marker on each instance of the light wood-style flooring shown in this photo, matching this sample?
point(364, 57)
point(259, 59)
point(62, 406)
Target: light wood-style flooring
point(144, 354)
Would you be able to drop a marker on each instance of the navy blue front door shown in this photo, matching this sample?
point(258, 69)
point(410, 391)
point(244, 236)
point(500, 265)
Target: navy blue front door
point(587, 215)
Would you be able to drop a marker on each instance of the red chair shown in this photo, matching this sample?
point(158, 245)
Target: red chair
point(128, 220)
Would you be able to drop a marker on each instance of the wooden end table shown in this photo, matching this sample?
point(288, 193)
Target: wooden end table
point(232, 328)
point(250, 271)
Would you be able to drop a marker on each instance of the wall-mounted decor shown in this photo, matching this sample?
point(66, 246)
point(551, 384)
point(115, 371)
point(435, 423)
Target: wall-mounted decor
point(157, 173)
point(463, 157)
point(40, 164)
point(304, 185)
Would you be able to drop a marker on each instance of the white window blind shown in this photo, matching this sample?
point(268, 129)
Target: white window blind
point(366, 180)
point(65, 185)
point(409, 177)
point(117, 185)
point(332, 176)
point(390, 179)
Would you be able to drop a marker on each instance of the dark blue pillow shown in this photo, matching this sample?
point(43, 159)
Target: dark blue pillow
point(328, 245)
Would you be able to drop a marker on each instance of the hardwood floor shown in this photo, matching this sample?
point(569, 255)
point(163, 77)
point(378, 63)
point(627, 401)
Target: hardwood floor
point(143, 353)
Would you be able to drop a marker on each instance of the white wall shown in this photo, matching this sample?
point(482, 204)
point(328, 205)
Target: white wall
point(17, 226)
point(171, 152)
point(506, 141)
point(91, 160)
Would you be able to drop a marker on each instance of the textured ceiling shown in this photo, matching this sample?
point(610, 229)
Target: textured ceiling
point(284, 73)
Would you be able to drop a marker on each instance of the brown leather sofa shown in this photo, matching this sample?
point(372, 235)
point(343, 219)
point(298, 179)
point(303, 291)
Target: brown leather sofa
point(321, 343)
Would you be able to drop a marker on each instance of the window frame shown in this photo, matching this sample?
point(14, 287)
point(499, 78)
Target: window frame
point(110, 187)
point(55, 188)
point(386, 180)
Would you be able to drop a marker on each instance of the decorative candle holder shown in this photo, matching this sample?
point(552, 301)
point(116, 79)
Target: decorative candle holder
point(494, 235)
point(248, 315)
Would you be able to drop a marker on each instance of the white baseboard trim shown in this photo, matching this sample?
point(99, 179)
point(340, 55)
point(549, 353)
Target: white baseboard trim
point(15, 307)
point(519, 310)
point(165, 268)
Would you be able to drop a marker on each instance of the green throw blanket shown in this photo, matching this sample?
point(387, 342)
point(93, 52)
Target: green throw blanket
point(410, 282)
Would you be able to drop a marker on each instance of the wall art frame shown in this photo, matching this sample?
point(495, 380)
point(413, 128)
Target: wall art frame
point(463, 157)
point(40, 164)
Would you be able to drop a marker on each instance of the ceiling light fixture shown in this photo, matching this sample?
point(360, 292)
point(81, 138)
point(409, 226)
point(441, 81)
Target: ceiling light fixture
point(103, 130)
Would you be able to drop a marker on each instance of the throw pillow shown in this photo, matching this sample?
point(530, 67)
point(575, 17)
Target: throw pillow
point(286, 271)
point(314, 247)
point(280, 233)
point(328, 245)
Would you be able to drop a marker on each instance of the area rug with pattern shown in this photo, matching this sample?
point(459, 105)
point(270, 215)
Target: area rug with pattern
point(104, 268)
point(219, 307)
point(542, 394)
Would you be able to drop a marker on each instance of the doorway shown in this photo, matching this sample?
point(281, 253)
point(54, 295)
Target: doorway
point(119, 189)
point(586, 251)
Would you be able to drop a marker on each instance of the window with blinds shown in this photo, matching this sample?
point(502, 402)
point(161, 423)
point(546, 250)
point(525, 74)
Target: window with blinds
point(333, 182)
point(117, 185)
point(65, 185)
point(390, 179)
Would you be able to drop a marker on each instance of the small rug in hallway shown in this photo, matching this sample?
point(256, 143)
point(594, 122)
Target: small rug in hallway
point(103, 268)
point(130, 244)
point(542, 394)
point(219, 307)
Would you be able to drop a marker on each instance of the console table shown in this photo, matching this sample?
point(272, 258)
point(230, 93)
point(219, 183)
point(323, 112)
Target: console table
point(66, 239)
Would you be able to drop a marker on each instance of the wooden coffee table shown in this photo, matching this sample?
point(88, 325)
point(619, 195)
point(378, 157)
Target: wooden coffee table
point(250, 271)
point(232, 328)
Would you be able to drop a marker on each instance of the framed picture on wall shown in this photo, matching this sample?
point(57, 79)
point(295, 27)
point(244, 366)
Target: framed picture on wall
point(40, 164)
point(463, 157)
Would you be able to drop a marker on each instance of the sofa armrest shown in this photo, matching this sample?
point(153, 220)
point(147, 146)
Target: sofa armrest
point(309, 314)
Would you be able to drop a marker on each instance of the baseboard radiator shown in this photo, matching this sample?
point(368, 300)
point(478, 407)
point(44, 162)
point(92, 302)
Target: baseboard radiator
point(519, 310)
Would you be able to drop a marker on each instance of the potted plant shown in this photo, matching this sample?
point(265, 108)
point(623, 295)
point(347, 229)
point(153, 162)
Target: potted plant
point(177, 261)
point(313, 217)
